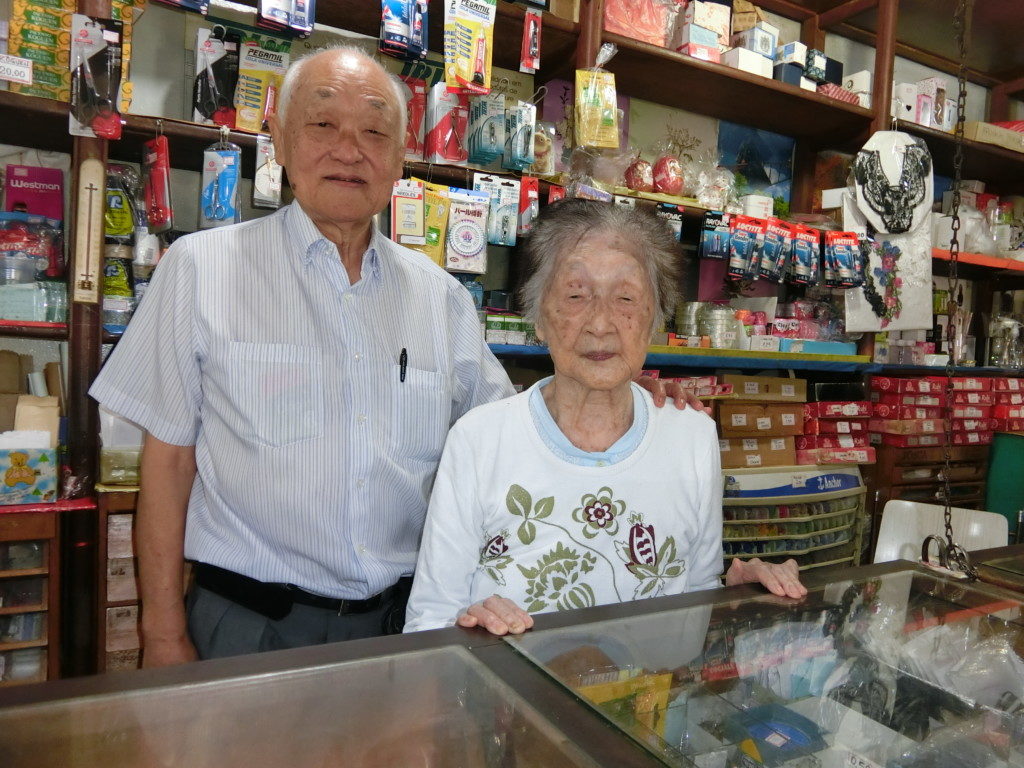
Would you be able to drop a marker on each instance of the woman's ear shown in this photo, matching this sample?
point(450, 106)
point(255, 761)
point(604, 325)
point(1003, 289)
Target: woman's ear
point(538, 331)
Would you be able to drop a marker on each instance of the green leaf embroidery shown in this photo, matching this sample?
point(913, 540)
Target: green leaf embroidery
point(673, 571)
point(667, 552)
point(536, 606)
point(529, 573)
point(647, 587)
point(527, 532)
point(518, 501)
point(544, 508)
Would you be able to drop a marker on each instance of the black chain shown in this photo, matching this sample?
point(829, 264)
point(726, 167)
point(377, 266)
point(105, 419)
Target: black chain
point(955, 554)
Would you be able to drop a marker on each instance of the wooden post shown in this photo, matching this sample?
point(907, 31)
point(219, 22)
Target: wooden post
point(885, 53)
point(591, 26)
point(999, 103)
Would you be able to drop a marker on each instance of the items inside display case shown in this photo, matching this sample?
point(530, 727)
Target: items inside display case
point(897, 671)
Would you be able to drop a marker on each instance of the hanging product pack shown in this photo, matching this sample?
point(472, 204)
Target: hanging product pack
point(218, 192)
point(597, 114)
point(95, 77)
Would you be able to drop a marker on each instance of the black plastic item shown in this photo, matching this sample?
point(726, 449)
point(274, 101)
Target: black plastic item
point(498, 300)
point(833, 71)
point(840, 391)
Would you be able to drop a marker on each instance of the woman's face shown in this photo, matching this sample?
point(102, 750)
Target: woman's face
point(596, 313)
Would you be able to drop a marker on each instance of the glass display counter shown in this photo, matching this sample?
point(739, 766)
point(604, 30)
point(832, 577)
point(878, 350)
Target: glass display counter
point(897, 670)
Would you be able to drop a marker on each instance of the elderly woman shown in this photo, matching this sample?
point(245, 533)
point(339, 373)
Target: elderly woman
point(580, 492)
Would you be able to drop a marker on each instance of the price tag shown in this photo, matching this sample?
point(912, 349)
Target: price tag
point(15, 69)
point(739, 419)
point(850, 409)
point(927, 426)
point(764, 423)
point(799, 481)
point(1013, 384)
point(750, 444)
point(846, 441)
point(751, 388)
point(788, 390)
point(788, 420)
point(724, 445)
point(972, 437)
point(753, 460)
point(778, 444)
point(973, 398)
point(843, 427)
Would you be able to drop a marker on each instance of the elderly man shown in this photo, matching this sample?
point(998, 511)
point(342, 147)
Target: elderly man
point(297, 376)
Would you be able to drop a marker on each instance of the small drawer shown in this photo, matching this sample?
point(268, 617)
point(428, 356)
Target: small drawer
point(22, 627)
point(121, 580)
point(934, 493)
point(23, 665)
point(22, 555)
point(28, 590)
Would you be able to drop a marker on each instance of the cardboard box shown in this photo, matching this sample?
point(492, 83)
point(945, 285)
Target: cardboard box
point(121, 579)
point(838, 410)
point(998, 411)
point(746, 15)
point(972, 438)
point(962, 383)
point(898, 385)
point(836, 456)
point(858, 82)
point(119, 536)
point(713, 16)
point(788, 72)
point(770, 389)
point(1007, 398)
point(907, 426)
point(702, 52)
point(792, 53)
point(835, 426)
point(757, 452)
point(808, 85)
point(565, 9)
point(1009, 425)
point(29, 475)
point(959, 411)
point(894, 399)
point(834, 442)
point(814, 69)
point(740, 419)
point(975, 425)
point(994, 134)
point(904, 100)
point(1002, 384)
point(883, 411)
point(693, 34)
point(748, 61)
point(906, 441)
point(759, 40)
point(122, 628)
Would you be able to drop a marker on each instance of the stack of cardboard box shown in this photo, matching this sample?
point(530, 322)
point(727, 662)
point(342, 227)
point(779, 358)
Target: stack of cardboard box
point(759, 427)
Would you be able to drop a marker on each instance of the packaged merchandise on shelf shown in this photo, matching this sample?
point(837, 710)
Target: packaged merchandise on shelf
point(650, 21)
point(899, 385)
point(260, 75)
point(748, 61)
point(216, 76)
point(814, 69)
point(466, 241)
point(713, 16)
point(759, 39)
point(596, 106)
point(287, 16)
point(975, 425)
point(999, 412)
point(416, 111)
point(266, 182)
point(907, 426)
point(972, 438)
point(407, 215)
point(832, 442)
point(1003, 384)
point(777, 250)
point(447, 124)
point(963, 383)
point(403, 28)
point(468, 44)
point(503, 193)
point(905, 400)
point(218, 195)
point(95, 61)
point(754, 419)
point(843, 261)
point(529, 54)
point(715, 235)
point(887, 411)
point(745, 242)
point(906, 441)
point(529, 204)
point(156, 176)
point(435, 222)
point(837, 410)
point(803, 266)
point(486, 128)
point(756, 452)
point(836, 456)
point(1009, 425)
point(520, 122)
point(792, 53)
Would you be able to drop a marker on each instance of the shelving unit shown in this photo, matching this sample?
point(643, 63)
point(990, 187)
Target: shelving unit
point(34, 330)
point(118, 643)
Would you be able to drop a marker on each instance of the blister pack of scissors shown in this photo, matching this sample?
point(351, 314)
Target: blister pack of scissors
point(213, 91)
point(95, 77)
point(218, 192)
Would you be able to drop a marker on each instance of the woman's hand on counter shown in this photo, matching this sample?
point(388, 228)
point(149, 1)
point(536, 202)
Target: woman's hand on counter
point(498, 615)
point(661, 389)
point(781, 579)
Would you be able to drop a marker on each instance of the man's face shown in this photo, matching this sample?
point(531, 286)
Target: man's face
point(340, 142)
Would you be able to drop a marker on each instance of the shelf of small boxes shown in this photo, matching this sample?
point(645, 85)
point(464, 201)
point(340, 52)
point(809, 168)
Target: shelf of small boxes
point(910, 412)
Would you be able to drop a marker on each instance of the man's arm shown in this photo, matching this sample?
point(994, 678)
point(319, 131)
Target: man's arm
point(168, 472)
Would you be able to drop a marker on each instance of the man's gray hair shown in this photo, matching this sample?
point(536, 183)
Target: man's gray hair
point(294, 75)
point(562, 225)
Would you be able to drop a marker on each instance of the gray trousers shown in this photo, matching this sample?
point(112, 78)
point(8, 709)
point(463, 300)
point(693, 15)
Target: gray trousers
point(219, 627)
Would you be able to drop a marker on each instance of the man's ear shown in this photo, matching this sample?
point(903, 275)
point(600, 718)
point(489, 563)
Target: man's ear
point(277, 135)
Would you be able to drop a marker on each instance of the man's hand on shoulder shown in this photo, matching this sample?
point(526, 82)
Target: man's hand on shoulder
point(661, 390)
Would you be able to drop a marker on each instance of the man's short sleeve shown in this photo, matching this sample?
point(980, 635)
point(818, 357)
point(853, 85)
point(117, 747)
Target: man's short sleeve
point(152, 377)
point(481, 378)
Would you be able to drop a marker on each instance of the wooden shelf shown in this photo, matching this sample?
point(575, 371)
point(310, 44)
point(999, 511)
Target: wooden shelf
point(997, 166)
point(788, 553)
point(730, 94)
point(980, 259)
point(13, 609)
point(33, 330)
point(20, 573)
point(26, 681)
point(64, 505)
point(17, 646)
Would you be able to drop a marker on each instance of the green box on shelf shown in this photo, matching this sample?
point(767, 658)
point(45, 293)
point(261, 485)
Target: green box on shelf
point(29, 476)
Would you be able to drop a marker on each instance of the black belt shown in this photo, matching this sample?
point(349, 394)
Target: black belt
point(275, 600)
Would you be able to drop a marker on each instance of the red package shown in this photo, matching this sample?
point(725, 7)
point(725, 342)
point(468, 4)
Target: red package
point(1006, 411)
point(963, 383)
point(885, 411)
point(646, 20)
point(808, 442)
point(1008, 385)
point(975, 425)
point(972, 438)
point(416, 108)
point(835, 426)
point(907, 426)
point(1009, 398)
point(973, 398)
point(836, 456)
point(906, 441)
point(837, 410)
point(1009, 425)
point(886, 398)
point(893, 384)
point(834, 91)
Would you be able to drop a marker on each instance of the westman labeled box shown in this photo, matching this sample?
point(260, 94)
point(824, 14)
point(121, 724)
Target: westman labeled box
point(757, 452)
point(769, 389)
point(739, 419)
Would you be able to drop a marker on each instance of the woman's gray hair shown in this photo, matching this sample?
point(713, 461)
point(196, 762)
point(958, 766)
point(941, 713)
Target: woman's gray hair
point(294, 75)
point(562, 225)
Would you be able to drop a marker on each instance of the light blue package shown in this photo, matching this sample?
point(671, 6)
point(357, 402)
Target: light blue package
point(218, 198)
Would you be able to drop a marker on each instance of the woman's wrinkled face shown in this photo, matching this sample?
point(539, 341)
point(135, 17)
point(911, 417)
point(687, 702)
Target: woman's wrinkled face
point(596, 313)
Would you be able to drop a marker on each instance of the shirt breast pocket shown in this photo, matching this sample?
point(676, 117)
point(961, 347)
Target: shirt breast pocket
point(420, 413)
point(277, 390)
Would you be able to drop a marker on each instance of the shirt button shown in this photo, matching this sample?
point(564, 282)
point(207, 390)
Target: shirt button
point(357, 356)
point(361, 418)
point(362, 549)
point(602, 463)
point(348, 297)
point(360, 483)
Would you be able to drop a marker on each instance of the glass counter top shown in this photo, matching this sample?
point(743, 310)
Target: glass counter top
point(422, 708)
point(900, 670)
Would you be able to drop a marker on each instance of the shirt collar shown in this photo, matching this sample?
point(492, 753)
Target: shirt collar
point(310, 242)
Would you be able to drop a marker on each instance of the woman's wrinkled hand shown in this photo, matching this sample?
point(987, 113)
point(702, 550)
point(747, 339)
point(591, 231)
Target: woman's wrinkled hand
point(781, 579)
point(661, 389)
point(498, 615)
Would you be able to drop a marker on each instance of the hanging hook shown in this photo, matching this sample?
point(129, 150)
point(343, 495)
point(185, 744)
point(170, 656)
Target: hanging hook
point(159, 127)
point(225, 136)
point(539, 94)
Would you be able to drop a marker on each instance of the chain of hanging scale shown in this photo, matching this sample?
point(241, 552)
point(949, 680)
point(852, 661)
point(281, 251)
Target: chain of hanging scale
point(951, 553)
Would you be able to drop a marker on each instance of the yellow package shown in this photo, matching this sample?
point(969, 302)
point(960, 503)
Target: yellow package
point(49, 57)
point(36, 35)
point(55, 19)
point(597, 115)
point(435, 221)
point(260, 74)
point(468, 44)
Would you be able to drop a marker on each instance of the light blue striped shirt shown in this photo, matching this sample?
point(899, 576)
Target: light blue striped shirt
point(315, 462)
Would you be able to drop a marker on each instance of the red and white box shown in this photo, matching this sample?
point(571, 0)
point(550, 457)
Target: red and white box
point(906, 441)
point(972, 398)
point(1008, 385)
point(416, 108)
point(832, 442)
point(975, 425)
point(963, 383)
point(836, 456)
point(1007, 411)
point(899, 386)
point(702, 52)
point(907, 426)
point(837, 410)
point(886, 398)
point(1009, 425)
point(835, 426)
point(884, 411)
point(972, 438)
point(1009, 398)
point(960, 411)
point(834, 91)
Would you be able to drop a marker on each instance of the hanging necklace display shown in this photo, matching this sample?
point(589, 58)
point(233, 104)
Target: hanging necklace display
point(893, 174)
point(886, 306)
